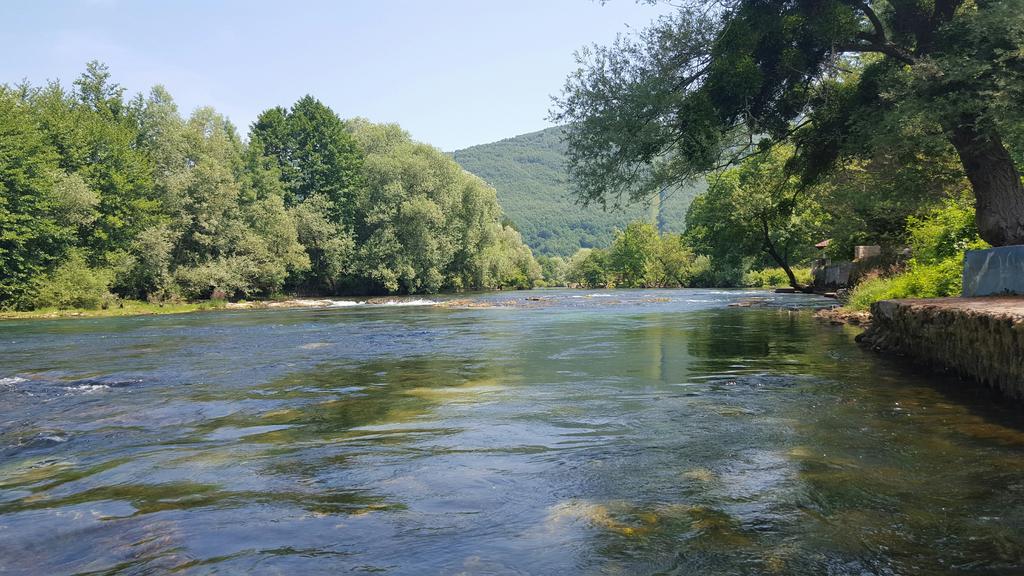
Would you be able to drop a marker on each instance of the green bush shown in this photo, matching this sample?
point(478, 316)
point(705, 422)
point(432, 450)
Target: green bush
point(920, 281)
point(224, 278)
point(75, 285)
point(212, 304)
point(774, 277)
point(938, 242)
point(588, 268)
point(946, 232)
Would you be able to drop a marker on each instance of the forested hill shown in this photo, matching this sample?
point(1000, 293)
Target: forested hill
point(533, 189)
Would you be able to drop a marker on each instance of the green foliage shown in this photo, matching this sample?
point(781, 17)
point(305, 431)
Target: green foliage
point(509, 262)
point(320, 166)
point(842, 80)
point(31, 238)
point(530, 175)
point(553, 270)
point(677, 266)
point(758, 213)
point(945, 232)
point(638, 258)
point(588, 268)
point(146, 270)
point(919, 281)
point(116, 307)
point(219, 278)
point(424, 224)
point(315, 152)
point(100, 195)
point(96, 133)
point(774, 277)
point(938, 241)
point(634, 256)
point(75, 285)
point(329, 246)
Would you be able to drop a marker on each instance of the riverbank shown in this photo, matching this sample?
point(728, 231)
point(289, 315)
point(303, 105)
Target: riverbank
point(138, 308)
point(538, 298)
point(844, 316)
point(978, 338)
point(124, 308)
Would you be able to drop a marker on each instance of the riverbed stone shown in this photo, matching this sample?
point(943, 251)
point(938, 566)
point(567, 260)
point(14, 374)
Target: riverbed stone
point(994, 271)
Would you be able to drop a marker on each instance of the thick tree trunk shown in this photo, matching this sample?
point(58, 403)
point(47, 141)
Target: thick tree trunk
point(998, 194)
point(805, 288)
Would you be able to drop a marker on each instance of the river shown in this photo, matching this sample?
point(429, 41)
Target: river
point(558, 432)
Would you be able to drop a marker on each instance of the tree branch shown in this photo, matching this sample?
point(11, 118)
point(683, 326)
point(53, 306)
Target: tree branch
point(944, 11)
point(889, 49)
point(876, 22)
point(877, 42)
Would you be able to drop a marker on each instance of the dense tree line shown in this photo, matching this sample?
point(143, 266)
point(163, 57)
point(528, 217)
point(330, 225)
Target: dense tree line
point(105, 197)
point(757, 225)
point(637, 257)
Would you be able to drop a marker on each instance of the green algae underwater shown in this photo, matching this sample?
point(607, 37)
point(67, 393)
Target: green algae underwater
point(624, 432)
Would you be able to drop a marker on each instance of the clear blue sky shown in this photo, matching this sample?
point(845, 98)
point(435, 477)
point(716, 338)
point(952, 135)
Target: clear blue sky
point(454, 73)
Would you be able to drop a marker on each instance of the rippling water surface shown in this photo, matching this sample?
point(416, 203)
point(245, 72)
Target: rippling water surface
point(629, 432)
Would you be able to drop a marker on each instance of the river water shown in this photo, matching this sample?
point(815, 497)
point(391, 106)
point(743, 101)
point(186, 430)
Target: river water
point(559, 432)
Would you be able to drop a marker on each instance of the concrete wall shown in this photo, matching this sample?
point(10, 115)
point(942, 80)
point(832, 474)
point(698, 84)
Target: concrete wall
point(978, 338)
point(994, 271)
point(866, 252)
point(829, 277)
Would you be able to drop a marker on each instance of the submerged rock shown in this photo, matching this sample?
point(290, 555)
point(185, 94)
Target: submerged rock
point(842, 316)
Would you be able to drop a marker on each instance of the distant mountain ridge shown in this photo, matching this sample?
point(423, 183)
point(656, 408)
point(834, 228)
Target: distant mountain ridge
point(529, 173)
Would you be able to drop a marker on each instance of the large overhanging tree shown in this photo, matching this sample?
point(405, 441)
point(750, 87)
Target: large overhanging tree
point(718, 81)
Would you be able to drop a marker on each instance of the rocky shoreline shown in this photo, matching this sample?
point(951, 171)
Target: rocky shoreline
point(981, 339)
point(840, 316)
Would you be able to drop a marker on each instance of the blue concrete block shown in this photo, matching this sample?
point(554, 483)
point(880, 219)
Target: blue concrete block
point(994, 271)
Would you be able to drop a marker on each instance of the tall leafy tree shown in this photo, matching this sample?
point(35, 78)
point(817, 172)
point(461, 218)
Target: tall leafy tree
point(109, 159)
point(31, 238)
point(320, 164)
point(757, 210)
point(235, 236)
point(718, 81)
point(315, 152)
point(634, 256)
point(426, 225)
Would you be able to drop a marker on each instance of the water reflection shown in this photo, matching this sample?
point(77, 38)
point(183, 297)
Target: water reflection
point(636, 434)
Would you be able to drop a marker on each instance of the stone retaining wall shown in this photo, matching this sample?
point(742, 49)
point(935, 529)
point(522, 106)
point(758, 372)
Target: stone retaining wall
point(978, 338)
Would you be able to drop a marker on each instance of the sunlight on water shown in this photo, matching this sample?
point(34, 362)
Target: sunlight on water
point(626, 432)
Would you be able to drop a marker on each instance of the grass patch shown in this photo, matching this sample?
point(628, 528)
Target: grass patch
point(774, 277)
point(921, 281)
point(122, 308)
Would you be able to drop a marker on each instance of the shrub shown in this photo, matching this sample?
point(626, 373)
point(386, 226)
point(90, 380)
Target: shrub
point(938, 242)
point(226, 277)
point(588, 268)
point(920, 281)
point(75, 285)
point(774, 277)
